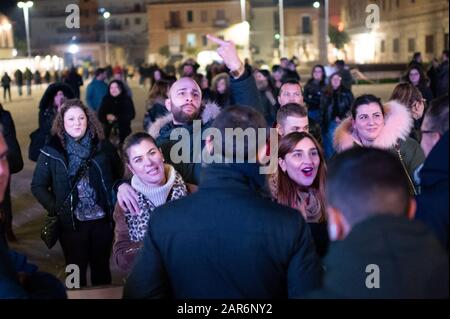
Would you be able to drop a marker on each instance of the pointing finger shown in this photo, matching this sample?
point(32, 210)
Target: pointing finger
point(216, 40)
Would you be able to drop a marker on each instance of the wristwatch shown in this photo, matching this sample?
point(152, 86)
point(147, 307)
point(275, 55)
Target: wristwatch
point(237, 73)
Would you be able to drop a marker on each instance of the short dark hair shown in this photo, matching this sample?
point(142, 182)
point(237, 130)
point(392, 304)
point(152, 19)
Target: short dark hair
point(291, 109)
point(239, 117)
point(289, 81)
point(363, 182)
point(99, 71)
point(437, 115)
point(365, 99)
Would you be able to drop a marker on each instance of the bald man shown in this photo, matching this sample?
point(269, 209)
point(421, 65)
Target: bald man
point(185, 106)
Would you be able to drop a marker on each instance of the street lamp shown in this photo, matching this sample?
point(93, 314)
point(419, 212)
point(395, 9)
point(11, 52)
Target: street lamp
point(243, 12)
point(281, 13)
point(25, 6)
point(323, 44)
point(106, 15)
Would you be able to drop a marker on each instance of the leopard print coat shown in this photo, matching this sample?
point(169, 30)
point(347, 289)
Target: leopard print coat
point(138, 224)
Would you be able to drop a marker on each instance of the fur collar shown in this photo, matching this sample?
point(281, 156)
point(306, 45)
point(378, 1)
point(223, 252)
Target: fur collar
point(398, 123)
point(209, 113)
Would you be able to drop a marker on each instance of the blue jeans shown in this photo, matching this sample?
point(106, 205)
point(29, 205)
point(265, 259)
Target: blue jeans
point(328, 139)
point(315, 115)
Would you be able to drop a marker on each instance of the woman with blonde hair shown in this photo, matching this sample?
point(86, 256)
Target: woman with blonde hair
point(410, 96)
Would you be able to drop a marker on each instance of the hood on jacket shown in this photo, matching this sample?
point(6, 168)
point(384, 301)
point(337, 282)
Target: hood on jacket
point(398, 123)
point(209, 113)
point(50, 92)
point(435, 168)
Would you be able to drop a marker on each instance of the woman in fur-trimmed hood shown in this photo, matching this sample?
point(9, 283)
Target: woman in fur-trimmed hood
point(387, 127)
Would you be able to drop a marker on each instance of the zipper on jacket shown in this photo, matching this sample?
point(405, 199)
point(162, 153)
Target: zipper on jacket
point(103, 183)
point(71, 196)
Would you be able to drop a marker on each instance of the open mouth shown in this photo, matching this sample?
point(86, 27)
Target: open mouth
point(153, 171)
point(307, 171)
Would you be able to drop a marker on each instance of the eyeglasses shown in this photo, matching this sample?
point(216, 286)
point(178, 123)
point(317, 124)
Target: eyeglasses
point(428, 132)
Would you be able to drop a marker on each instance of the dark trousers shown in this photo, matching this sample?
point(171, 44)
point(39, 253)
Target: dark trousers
point(89, 246)
point(7, 89)
point(6, 213)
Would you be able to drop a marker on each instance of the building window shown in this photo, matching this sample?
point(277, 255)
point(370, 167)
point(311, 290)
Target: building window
point(306, 25)
point(276, 21)
point(397, 3)
point(204, 16)
point(127, 22)
point(396, 45)
point(429, 44)
point(383, 5)
point(382, 46)
point(204, 40)
point(190, 16)
point(390, 4)
point(190, 40)
point(411, 45)
point(220, 14)
point(137, 7)
point(137, 21)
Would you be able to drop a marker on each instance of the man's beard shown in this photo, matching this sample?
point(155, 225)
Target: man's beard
point(182, 117)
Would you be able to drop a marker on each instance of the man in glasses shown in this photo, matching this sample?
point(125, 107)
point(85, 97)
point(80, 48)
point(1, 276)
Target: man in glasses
point(433, 203)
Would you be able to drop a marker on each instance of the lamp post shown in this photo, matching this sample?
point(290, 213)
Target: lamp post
point(106, 16)
point(243, 11)
point(281, 13)
point(25, 6)
point(323, 45)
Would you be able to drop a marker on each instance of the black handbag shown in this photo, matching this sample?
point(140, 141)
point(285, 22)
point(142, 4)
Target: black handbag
point(51, 229)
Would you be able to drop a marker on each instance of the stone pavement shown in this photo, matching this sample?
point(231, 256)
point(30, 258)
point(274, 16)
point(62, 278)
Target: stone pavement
point(28, 214)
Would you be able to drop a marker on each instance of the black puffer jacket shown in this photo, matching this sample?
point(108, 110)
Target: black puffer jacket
point(336, 104)
point(122, 108)
point(312, 93)
point(51, 183)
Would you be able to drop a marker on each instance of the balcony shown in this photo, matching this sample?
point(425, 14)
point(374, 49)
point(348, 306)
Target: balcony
point(173, 24)
point(221, 23)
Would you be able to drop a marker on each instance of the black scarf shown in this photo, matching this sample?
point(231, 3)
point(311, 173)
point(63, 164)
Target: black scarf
point(78, 151)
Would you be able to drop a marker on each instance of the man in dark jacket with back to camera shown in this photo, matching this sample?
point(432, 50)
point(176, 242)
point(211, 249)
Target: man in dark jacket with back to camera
point(432, 203)
point(379, 252)
point(226, 240)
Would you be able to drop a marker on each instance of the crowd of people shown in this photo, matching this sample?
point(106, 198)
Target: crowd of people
point(359, 182)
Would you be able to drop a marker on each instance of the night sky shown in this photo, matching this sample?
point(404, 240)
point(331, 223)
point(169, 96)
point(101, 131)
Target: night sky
point(10, 9)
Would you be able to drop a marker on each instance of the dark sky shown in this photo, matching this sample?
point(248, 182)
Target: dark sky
point(7, 5)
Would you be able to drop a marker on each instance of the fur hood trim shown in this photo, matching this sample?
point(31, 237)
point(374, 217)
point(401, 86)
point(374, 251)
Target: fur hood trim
point(209, 113)
point(398, 123)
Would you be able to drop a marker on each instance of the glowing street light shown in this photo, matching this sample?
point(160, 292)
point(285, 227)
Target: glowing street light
point(106, 15)
point(73, 48)
point(316, 4)
point(25, 6)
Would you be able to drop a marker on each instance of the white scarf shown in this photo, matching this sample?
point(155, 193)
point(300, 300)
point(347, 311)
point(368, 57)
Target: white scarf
point(156, 194)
